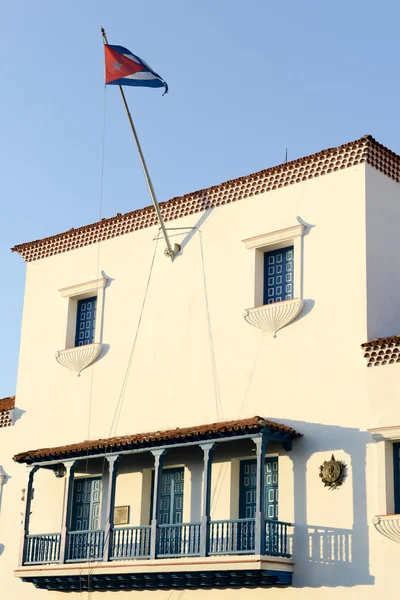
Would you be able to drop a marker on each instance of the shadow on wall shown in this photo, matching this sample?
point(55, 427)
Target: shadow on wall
point(327, 556)
point(1, 549)
point(17, 415)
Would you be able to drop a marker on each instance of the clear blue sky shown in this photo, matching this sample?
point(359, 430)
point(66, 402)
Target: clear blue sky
point(247, 79)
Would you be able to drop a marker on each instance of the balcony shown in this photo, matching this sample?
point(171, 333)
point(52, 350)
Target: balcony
point(234, 536)
point(207, 552)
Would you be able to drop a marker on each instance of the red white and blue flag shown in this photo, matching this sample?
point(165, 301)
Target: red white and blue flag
point(124, 68)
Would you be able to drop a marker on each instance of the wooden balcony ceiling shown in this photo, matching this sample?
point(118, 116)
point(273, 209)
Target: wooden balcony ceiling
point(200, 433)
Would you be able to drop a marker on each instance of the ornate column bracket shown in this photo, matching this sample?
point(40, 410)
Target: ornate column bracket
point(31, 470)
point(158, 465)
point(67, 507)
point(208, 450)
point(261, 445)
point(110, 504)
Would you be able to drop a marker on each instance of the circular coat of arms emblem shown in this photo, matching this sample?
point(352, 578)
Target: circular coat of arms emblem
point(332, 473)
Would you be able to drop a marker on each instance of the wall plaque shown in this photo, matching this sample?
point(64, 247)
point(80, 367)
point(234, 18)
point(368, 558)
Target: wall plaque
point(121, 515)
point(333, 473)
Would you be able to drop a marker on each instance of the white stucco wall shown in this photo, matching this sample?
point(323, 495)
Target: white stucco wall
point(197, 361)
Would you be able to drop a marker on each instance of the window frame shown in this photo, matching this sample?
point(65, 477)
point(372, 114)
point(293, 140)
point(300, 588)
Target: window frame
point(268, 242)
point(386, 438)
point(75, 293)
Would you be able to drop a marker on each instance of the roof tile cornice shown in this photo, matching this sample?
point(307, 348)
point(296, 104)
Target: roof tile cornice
point(7, 403)
point(382, 351)
point(156, 438)
point(6, 411)
point(366, 149)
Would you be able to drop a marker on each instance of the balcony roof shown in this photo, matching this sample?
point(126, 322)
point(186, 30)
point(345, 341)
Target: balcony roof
point(198, 433)
point(363, 150)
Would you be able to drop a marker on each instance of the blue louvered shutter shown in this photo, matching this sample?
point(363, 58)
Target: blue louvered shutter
point(279, 275)
point(85, 321)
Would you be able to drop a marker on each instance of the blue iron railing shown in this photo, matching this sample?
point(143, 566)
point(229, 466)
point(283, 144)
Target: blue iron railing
point(234, 536)
point(42, 548)
point(130, 542)
point(276, 538)
point(181, 539)
point(85, 545)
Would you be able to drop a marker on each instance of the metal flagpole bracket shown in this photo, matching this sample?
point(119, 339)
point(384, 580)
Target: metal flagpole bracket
point(169, 251)
point(175, 250)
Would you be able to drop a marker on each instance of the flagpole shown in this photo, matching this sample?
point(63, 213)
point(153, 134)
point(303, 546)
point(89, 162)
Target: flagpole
point(169, 251)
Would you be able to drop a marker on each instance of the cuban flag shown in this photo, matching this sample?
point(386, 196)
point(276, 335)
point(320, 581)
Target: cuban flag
point(124, 68)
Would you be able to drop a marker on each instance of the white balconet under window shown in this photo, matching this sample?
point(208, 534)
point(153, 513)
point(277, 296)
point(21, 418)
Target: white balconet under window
point(273, 317)
point(78, 358)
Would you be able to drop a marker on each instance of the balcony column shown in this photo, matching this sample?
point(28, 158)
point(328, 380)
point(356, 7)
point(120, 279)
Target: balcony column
point(26, 513)
point(158, 465)
point(67, 507)
point(208, 450)
point(261, 444)
point(110, 504)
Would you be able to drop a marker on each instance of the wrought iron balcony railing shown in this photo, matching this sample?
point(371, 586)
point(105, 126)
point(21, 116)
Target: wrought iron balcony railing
point(87, 545)
point(234, 536)
point(230, 536)
point(131, 542)
point(182, 539)
point(42, 548)
point(276, 538)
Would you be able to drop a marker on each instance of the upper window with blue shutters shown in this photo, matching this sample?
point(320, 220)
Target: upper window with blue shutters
point(86, 321)
point(279, 275)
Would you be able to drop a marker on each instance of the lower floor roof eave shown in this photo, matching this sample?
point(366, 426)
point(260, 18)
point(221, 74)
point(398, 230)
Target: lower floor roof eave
point(87, 450)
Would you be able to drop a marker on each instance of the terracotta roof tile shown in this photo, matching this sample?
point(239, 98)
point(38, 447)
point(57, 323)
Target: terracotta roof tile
point(6, 406)
point(366, 149)
point(382, 351)
point(140, 440)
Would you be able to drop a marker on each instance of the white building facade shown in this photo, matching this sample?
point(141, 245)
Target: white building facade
point(224, 423)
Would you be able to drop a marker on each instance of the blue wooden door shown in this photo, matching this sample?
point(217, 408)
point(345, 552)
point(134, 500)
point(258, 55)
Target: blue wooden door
point(247, 494)
point(86, 504)
point(171, 496)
